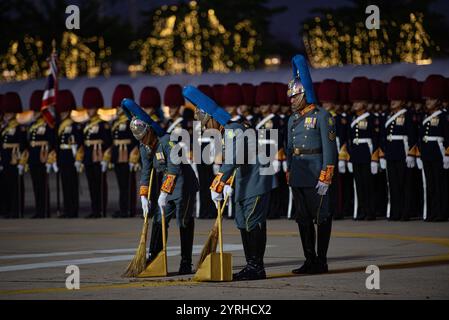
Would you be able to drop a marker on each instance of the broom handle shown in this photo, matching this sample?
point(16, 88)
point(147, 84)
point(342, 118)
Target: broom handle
point(164, 240)
point(220, 240)
point(150, 186)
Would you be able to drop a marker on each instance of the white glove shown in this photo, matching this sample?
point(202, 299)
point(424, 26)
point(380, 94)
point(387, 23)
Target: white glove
point(383, 163)
point(216, 168)
point(227, 191)
point(162, 200)
point(446, 162)
point(145, 205)
point(322, 188)
point(216, 197)
point(131, 167)
point(284, 166)
point(341, 166)
point(20, 168)
point(78, 166)
point(48, 167)
point(104, 166)
point(374, 167)
point(350, 167)
point(419, 163)
point(276, 166)
point(411, 162)
point(55, 167)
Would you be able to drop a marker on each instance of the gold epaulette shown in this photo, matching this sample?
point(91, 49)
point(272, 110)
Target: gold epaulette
point(134, 155)
point(80, 154)
point(25, 118)
point(217, 185)
point(169, 184)
point(326, 175)
point(79, 116)
point(107, 114)
point(51, 157)
point(375, 155)
point(343, 154)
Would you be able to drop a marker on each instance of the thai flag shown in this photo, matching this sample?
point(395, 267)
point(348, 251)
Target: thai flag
point(50, 93)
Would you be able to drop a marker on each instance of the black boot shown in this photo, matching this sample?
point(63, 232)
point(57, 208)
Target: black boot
point(307, 234)
point(186, 237)
point(244, 236)
point(155, 242)
point(324, 235)
point(254, 269)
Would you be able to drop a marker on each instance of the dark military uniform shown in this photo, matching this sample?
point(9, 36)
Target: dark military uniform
point(362, 144)
point(41, 147)
point(279, 195)
point(433, 145)
point(13, 141)
point(380, 179)
point(96, 140)
point(124, 151)
point(397, 141)
point(311, 155)
point(69, 139)
point(180, 183)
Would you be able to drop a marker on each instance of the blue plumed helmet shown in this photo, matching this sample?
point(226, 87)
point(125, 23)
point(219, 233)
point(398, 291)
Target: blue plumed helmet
point(301, 73)
point(140, 120)
point(206, 104)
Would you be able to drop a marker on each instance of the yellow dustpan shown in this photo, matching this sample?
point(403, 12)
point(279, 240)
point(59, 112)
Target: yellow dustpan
point(216, 266)
point(158, 267)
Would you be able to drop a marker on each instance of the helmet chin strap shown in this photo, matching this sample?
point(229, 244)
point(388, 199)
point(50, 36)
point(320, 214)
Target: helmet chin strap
point(296, 108)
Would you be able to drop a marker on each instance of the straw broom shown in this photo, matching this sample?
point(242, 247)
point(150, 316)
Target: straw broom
point(138, 263)
point(212, 240)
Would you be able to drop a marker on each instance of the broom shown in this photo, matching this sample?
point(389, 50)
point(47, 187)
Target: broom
point(212, 240)
point(138, 263)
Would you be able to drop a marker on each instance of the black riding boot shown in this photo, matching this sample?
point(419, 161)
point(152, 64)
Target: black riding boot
point(307, 234)
point(186, 237)
point(254, 269)
point(244, 236)
point(155, 242)
point(324, 235)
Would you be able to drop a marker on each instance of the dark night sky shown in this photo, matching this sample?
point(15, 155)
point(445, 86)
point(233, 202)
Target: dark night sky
point(285, 26)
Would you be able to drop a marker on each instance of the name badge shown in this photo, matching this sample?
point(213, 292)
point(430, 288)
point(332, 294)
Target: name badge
point(434, 122)
point(41, 130)
point(363, 124)
point(160, 156)
point(310, 123)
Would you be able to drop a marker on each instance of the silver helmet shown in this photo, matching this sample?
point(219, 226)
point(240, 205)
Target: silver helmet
point(295, 87)
point(139, 128)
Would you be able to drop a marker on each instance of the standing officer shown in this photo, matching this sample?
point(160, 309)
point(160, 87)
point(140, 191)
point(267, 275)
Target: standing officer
point(265, 99)
point(434, 148)
point(363, 149)
point(13, 156)
point(92, 155)
point(398, 143)
point(124, 155)
point(69, 138)
point(252, 189)
point(179, 184)
point(311, 154)
point(41, 147)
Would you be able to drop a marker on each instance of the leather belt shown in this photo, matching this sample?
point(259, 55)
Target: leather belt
point(89, 143)
point(34, 144)
point(299, 151)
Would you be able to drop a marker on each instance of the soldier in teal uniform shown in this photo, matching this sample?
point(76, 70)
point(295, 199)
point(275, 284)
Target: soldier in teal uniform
point(252, 189)
point(311, 156)
point(179, 184)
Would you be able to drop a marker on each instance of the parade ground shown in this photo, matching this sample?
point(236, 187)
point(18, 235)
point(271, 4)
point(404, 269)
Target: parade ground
point(413, 258)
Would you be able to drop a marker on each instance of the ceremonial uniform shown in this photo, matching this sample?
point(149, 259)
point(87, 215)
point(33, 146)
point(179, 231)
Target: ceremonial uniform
point(13, 141)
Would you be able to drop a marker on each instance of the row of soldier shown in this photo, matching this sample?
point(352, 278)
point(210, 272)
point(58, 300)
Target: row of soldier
point(392, 151)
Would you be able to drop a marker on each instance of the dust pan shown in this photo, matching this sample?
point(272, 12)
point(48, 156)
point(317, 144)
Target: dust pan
point(158, 267)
